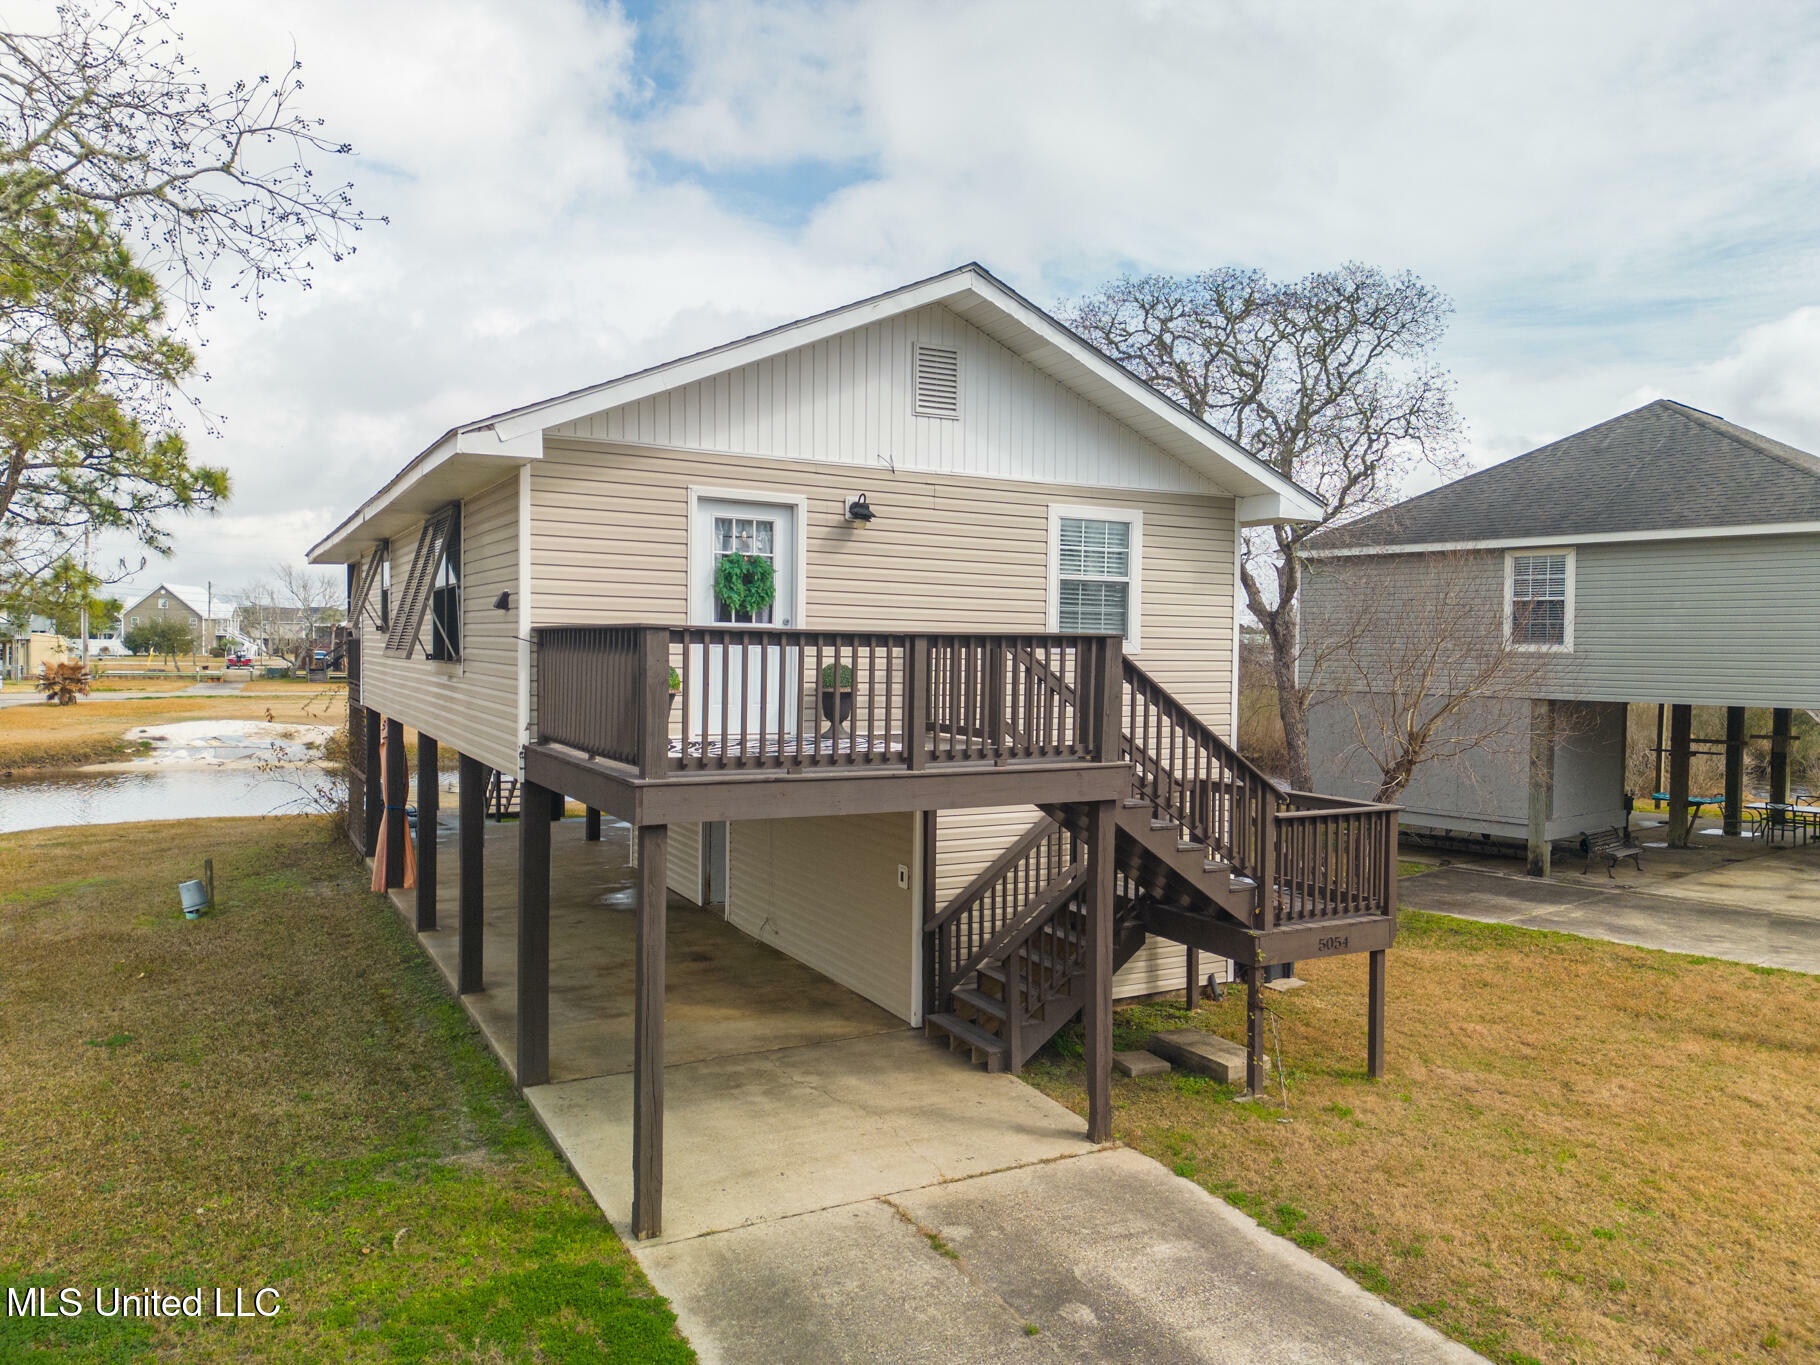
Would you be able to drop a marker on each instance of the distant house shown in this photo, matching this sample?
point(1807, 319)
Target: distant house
point(1664, 556)
point(209, 614)
point(26, 648)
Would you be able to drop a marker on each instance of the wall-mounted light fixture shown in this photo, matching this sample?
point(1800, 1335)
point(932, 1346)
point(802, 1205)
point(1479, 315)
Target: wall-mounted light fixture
point(859, 511)
point(503, 602)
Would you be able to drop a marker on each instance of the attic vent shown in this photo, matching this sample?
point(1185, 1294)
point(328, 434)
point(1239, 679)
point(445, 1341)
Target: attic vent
point(936, 376)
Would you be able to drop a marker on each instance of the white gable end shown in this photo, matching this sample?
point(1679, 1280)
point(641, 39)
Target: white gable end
point(849, 399)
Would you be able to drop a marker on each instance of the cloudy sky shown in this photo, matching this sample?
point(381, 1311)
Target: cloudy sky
point(1620, 198)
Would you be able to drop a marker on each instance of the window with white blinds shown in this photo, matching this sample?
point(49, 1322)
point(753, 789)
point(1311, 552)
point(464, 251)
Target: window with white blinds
point(1094, 556)
point(1539, 611)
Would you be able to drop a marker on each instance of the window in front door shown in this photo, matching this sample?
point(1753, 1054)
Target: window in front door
point(755, 536)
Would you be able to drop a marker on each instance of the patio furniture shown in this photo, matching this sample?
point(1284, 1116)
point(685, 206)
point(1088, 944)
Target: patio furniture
point(1775, 819)
point(1694, 803)
point(1613, 845)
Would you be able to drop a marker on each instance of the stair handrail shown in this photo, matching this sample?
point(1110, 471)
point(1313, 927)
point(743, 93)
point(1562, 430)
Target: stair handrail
point(993, 871)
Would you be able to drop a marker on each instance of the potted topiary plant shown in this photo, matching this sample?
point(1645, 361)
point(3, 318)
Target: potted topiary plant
point(837, 694)
point(675, 687)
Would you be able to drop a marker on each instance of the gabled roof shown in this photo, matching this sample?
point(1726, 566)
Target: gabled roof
point(193, 597)
point(465, 457)
point(1663, 469)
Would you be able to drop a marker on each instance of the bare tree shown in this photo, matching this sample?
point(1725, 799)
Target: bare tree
point(1330, 379)
point(1413, 652)
point(105, 109)
point(311, 599)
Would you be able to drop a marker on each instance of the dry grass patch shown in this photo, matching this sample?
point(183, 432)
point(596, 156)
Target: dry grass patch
point(280, 1093)
point(91, 731)
point(1583, 1152)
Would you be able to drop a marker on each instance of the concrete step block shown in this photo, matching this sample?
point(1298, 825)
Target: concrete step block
point(1138, 1064)
point(1205, 1054)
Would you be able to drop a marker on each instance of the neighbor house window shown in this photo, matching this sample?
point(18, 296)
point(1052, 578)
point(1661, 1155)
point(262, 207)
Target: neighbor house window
point(445, 600)
point(1540, 601)
point(1094, 557)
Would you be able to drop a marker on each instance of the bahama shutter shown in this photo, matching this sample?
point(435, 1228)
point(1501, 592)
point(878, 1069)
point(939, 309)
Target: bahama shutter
point(363, 586)
point(414, 601)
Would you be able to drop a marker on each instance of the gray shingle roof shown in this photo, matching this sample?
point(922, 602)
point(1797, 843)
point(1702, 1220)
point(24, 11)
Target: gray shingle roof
point(1664, 466)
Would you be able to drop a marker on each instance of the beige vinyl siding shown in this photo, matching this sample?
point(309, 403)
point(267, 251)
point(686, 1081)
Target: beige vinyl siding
point(847, 400)
point(685, 862)
point(610, 543)
point(609, 540)
point(470, 705)
point(825, 892)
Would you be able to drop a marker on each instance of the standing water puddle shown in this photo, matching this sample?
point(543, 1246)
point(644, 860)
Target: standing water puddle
point(194, 770)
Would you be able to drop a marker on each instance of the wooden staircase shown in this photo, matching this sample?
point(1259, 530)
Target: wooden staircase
point(1208, 852)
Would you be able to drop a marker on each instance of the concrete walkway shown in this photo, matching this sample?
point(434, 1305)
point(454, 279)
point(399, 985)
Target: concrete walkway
point(819, 1157)
point(1763, 910)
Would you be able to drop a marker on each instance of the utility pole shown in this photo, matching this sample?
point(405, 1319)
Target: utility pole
point(87, 526)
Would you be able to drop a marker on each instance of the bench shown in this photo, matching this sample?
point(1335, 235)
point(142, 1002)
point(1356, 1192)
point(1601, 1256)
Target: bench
point(1613, 845)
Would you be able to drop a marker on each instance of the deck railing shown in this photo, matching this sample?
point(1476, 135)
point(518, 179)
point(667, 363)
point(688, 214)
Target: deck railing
point(710, 700)
point(1319, 857)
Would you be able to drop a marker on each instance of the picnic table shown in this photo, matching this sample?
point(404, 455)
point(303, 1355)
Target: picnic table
point(1694, 803)
point(1773, 819)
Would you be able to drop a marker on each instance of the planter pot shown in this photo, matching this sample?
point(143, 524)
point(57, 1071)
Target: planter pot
point(837, 699)
point(673, 697)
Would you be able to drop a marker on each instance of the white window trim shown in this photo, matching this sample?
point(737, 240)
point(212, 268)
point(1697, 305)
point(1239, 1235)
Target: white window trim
point(1134, 601)
point(765, 496)
point(1567, 629)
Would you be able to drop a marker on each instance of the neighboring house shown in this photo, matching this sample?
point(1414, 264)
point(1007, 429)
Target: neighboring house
point(25, 652)
point(1664, 556)
point(993, 544)
point(209, 614)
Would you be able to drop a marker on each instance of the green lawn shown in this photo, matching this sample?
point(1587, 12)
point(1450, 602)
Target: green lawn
point(1582, 1153)
point(278, 1094)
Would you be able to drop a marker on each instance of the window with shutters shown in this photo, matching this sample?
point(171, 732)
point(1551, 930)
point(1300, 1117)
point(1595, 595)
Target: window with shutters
point(936, 381)
point(1094, 570)
point(1539, 600)
point(445, 599)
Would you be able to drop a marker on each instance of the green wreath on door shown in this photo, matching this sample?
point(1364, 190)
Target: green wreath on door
point(745, 584)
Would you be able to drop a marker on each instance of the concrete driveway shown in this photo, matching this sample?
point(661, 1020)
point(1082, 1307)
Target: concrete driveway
point(1765, 910)
point(879, 1200)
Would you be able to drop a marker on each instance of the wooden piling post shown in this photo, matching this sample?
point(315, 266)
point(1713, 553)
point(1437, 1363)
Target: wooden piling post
point(591, 826)
point(1374, 1025)
point(1254, 1029)
point(1541, 782)
point(1102, 832)
point(1680, 741)
point(471, 812)
point(648, 1034)
point(533, 935)
point(428, 802)
point(375, 794)
point(1781, 733)
point(1734, 770)
point(397, 793)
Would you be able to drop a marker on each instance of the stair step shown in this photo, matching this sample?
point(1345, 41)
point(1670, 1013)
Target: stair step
point(1188, 845)
point(980, 1001)
point(1164, 824)
point(972, 1036)
point(1134, 802)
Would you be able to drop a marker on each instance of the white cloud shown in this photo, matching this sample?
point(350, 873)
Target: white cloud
point(1620, 197)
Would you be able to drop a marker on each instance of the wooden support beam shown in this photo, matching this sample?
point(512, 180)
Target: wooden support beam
point(375, 795)
point(1541, 782)
point(933, 1003)
point(1781, 732)
point(1102, 855)
point(427, 806)
point(1680, 738)
point(591, 827)
point(1254, 1030)
point(1734, 770)
point(1374, 1024)
point(470, 925)
point(397, 794)
point(648, 1034)
point(1194, 979)
point(533, 935)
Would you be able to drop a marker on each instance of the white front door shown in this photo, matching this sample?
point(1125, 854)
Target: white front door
point(766, 531)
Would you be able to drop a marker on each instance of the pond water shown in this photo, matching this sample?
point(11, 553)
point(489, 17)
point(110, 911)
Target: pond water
point(107, 798)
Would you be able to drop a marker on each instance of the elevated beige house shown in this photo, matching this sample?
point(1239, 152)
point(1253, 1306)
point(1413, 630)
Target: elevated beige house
point(964, 758)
